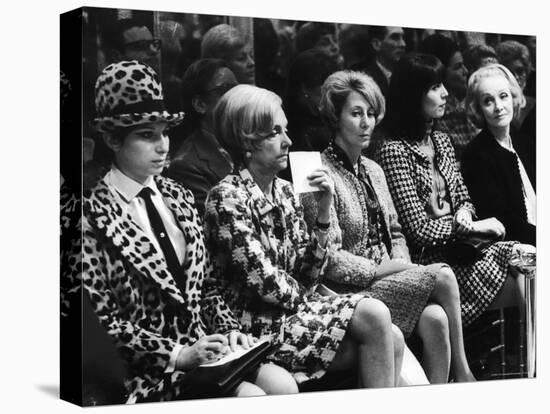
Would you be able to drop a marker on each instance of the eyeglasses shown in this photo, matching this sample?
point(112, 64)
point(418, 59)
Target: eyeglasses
point(144, 44)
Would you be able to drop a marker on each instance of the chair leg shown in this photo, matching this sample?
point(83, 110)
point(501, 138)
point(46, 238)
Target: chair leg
point(502, 331)
point(530, 320)
point(522, 348)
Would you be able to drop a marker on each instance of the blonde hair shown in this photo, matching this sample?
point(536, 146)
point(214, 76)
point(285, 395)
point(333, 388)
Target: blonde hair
point(243, 117)
point(472, 95)
point(336, 89)
point(221, 41)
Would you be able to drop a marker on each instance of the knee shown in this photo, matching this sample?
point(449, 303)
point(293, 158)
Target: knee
point(447, 283)
point(398, 341)
point(434, 322)
point(374, 316)
point(275, 380)
point(247, 389)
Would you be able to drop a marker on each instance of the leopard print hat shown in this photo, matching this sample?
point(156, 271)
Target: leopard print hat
point(129, 93)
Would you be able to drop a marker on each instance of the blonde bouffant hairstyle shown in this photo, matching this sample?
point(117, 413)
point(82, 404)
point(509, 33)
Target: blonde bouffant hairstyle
point(243, 117)
point(473, 107)
point(336, 89)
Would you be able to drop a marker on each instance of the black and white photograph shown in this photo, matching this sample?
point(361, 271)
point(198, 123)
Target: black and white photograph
point(275, 208)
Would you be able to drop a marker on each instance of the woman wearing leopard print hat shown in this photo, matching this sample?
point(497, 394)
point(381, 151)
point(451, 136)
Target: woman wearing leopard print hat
point(144, 258)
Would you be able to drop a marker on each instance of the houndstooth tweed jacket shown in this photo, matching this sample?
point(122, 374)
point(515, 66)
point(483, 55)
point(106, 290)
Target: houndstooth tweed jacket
point(409, 176)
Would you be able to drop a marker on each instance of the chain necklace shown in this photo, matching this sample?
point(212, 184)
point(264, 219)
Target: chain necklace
point(438, 180)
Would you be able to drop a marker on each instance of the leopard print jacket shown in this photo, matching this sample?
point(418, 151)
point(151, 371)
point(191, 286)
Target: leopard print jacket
point(136, 298)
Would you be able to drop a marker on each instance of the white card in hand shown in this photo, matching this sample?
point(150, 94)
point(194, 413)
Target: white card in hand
point(302, 164)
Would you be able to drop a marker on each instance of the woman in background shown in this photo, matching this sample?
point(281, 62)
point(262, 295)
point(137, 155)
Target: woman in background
point(305, 78)
point(455, 123)
point(200, 163)
point(515, 56)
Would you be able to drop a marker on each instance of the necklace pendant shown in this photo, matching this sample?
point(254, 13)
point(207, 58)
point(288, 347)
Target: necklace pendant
point(440, 201)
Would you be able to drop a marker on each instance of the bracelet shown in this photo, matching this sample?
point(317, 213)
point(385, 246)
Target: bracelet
point(322, 226)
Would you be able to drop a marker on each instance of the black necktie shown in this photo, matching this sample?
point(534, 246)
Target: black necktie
point(162, 237)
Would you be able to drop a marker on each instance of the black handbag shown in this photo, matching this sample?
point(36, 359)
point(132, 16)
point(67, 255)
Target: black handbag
point(468, 251)
point(221, 380)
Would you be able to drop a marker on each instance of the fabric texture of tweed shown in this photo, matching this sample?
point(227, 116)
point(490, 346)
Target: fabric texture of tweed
point(353, 260)
point(267, 268)
point(409, 178)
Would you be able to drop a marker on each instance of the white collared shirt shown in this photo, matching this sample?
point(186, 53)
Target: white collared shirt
point(529, 195)
point(126, 189)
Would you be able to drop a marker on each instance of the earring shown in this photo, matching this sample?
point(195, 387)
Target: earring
point(247, 154)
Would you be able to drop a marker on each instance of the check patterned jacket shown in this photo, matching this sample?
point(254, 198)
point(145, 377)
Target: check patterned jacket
point(409, 177)
point(264, 260)
point(268, 267)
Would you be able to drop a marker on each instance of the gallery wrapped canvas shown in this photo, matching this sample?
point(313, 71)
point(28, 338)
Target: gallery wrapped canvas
point(191, 267)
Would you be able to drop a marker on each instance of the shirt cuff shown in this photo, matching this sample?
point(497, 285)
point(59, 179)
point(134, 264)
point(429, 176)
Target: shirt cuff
point(322, 241)
point(171, 367)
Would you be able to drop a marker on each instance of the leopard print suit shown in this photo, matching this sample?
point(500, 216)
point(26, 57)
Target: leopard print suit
point(135, 296)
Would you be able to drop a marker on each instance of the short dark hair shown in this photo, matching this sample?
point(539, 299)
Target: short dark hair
point(310, 69)
point(474, 55)
point(113, 37)
point(195, 82)
point(440, 46)
point(378, 32)
point(310, 33)
point(412, 78)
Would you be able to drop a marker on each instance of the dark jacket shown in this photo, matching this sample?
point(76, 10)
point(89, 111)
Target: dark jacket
point(493, 178)
point(373, 70)
point(199, 165)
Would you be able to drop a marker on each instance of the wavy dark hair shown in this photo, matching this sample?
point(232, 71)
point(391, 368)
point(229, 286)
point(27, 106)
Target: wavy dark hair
point(195, 83)
point(413, 77)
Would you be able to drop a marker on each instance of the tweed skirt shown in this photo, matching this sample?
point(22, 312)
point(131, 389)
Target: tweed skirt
point(312, 335)
point(405, 293)
point(480, 282)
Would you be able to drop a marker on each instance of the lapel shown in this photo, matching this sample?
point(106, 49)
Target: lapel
point(506, 163)
point(445, 164)
point(209, 152)
point(424, 186)
point(119, 228)
point(271, 233)
point(186, 216)
point(380, 195)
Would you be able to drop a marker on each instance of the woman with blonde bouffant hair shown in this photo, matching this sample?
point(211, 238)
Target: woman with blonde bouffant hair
point(370, 252)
